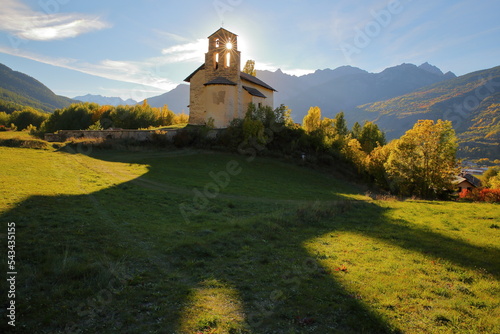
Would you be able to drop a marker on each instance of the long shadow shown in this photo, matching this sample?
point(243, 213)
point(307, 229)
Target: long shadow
point(123, 260)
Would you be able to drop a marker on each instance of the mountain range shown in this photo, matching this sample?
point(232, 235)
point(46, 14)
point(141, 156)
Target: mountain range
point(103, 100)
point(394, 98)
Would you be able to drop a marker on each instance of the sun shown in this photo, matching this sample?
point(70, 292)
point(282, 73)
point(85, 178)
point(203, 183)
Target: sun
point(229, 45)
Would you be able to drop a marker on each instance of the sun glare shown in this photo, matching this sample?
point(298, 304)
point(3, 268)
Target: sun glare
point(229, 45)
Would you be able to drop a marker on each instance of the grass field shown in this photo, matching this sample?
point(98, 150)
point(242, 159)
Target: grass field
point(201, 242)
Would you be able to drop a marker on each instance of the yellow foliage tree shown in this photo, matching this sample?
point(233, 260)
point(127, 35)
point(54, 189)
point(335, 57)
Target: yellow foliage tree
point(312, 121)
point(423, 160)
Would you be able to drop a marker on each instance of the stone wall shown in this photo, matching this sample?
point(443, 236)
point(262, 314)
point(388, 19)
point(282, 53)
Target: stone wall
point(139, 135)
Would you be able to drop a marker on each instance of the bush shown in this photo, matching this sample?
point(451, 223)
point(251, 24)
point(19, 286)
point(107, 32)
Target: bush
point(481, 195)
point(25, 143)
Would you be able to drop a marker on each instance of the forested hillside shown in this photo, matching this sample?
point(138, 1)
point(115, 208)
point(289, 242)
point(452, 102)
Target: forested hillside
point(18, 89)
point(470, 101)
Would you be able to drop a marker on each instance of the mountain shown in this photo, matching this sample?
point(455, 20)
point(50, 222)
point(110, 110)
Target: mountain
point(342, 88)
point(346, 87)
point(103, 100)
point(18, 89)
point(176, 99)
point(471, 102)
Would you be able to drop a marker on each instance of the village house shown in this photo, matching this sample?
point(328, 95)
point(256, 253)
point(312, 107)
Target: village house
point(467, 181)
point(219, 91)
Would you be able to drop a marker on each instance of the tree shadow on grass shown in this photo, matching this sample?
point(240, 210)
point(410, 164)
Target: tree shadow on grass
point(123, 260)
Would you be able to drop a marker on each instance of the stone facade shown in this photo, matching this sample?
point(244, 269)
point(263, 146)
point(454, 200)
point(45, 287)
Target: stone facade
point(219, 91)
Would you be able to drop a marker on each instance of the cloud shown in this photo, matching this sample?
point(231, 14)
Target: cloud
point(273, 68)
point(145, 72)
point(187, 52)
point(26, 23)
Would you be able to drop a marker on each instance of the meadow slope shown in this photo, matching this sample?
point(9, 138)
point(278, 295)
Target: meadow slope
point(201, 242)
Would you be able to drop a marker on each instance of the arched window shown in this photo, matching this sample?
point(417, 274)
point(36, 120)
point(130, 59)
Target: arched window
point(216, 61)
point(217, 43)
point(228, 59)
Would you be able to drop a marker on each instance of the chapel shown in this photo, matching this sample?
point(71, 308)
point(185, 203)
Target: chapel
point(219, 90)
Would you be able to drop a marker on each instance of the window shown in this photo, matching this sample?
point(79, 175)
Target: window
point(216, 61)
point(217, 43)
point(228, 59)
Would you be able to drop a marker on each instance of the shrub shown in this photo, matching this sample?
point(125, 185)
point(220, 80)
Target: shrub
point(481, 195)
point(24, 143)
point(490, 195)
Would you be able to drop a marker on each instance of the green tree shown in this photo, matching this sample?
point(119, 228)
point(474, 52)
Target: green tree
point(356, 130)
point(77, 116)
point(370, 137)
point(250, 68)
point(423, 160)
point(4, 118)
point(341, 125)
point(28, 116)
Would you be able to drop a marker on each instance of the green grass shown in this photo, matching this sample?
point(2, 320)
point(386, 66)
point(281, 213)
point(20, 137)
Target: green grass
point(102, 247)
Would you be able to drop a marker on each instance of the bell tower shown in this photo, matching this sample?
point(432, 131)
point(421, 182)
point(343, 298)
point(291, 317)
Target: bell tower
point(223, 60)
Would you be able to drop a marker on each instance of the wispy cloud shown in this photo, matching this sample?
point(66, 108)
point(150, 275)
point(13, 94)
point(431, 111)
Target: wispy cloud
point(291, 71)
point(145, 72)
point(23, 22)
point(187, 52)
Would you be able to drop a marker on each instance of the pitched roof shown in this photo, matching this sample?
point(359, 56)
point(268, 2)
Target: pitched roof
point(469, 178)
point(225, 30)
point(188, 79)
point(254, 92)
point(472, 180)
point(220, 81)
point(256, 81)
point(243, 76)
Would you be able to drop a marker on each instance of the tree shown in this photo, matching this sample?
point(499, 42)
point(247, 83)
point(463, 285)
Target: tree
point(370, 137)
point(4, 118)
point(312, 121)
point(28, 116)
point(423, 160)
point(353, 152)
point(250, 68)
point(341, 124)
point(356, 130)
point(491, 174)
point(77, 116)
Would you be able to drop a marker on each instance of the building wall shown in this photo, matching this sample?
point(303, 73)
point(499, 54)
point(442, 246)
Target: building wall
point(197, 108)
point(222, 104)
point(465, 185)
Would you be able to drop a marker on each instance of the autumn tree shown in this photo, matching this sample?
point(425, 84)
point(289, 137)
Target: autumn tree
point(250, 68)
point(423, 160)
point(312, 121)
point(354, 153)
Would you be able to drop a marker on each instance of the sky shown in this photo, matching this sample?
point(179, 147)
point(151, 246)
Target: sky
point(139, 49)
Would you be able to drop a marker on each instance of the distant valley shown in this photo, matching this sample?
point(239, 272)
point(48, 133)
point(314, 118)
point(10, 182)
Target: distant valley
point(394, 98)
